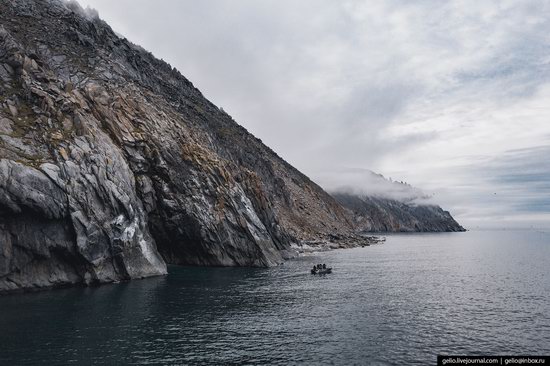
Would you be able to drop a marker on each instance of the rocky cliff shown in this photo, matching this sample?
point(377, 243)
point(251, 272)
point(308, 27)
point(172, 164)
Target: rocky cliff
point(378, 204)
point(383, 214)
point(113, 164)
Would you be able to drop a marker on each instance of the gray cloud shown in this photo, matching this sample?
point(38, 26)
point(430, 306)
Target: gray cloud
point(524, 175)
point(424, 91)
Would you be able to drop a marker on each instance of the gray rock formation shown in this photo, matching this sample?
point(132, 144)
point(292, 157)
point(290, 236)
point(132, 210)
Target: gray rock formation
point(113, 164)
point(379, 204)
point(383, 214)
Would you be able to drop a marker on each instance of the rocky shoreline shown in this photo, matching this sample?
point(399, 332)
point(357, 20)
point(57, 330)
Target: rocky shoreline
point(336, 242)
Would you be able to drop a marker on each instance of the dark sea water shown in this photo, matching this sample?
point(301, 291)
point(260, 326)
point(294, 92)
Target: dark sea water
point(403, 302)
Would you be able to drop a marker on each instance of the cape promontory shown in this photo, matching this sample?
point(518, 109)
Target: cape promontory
point(113, 164)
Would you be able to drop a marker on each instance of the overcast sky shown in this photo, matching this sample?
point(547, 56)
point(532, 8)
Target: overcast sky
point(450, 96)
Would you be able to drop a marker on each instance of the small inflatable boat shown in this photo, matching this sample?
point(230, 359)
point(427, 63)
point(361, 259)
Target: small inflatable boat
point(321, 271)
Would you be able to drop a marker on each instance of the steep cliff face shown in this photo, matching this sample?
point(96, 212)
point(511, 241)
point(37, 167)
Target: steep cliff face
point(112, 163)
point(379, 204)
point(383, 214)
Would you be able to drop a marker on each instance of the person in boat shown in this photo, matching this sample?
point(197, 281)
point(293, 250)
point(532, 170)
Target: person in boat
point(324, 266)
point(314, 268)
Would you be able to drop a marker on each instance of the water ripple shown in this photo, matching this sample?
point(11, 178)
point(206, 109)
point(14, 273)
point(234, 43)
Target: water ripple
point(402, 302)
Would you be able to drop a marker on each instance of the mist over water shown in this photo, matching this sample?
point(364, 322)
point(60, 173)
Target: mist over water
point(418, 295)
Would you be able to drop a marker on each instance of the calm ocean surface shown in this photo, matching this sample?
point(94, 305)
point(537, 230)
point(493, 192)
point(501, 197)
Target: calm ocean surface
point(403, 302)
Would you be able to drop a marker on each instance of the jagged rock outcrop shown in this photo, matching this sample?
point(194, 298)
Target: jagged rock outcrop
point(383, 214)
point(112, 163)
